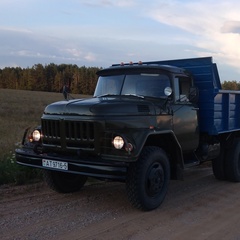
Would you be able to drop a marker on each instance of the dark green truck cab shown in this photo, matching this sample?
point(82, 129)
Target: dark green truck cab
point(143, 126)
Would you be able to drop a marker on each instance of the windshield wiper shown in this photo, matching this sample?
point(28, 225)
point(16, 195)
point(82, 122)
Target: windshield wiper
point(110, 94)
point(107, 95)
point(134, 95)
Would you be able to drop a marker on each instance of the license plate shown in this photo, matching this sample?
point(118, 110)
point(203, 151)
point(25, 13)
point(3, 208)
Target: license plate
point(55, 164)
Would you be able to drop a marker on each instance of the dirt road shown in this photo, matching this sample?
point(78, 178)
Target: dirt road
point(199, 207)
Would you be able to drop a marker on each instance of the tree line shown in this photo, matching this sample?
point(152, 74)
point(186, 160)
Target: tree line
point(231, 85)
point(50, 78)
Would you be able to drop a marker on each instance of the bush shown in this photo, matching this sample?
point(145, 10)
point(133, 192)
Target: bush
point(11, 172)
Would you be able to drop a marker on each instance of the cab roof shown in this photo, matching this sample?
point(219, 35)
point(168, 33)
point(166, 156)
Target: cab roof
point(138, 67)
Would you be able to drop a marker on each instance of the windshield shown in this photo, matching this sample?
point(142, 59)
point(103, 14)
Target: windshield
point(143, 84)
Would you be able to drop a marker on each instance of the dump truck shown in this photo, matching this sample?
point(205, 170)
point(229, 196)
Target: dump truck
point(145, 123)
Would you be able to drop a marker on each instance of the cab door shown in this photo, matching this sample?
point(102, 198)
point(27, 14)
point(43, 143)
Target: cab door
point(185, 115)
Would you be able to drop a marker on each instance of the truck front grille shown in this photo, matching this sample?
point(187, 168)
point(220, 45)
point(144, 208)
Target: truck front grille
point(68, 134)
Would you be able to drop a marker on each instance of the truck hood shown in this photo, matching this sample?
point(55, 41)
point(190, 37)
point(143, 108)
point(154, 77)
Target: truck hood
point(119, 105)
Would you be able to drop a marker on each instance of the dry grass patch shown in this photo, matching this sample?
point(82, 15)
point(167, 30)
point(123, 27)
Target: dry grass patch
point(19, 109)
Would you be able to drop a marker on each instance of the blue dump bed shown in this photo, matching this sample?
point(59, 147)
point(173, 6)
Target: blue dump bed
point(219, 110)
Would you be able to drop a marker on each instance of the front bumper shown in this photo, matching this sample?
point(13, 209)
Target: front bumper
point(93, 167)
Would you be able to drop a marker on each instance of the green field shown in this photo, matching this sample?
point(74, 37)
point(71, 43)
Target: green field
point(19, 110)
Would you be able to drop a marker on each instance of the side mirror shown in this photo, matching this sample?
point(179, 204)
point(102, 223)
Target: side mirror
point(168, 91)
point(193, 95)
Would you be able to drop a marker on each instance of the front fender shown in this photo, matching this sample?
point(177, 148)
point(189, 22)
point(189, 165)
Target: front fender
point(168, 141)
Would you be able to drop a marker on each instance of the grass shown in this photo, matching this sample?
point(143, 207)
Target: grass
point(19, 109)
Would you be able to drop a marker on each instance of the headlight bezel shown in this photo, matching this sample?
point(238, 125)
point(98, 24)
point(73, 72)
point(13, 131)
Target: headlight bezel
point(120, 142)
point(35, 135)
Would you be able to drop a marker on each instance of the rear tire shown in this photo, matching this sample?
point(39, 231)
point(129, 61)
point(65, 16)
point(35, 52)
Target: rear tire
point(64, 182)
point(219, 164)
point(148, 179)
point(233, 162)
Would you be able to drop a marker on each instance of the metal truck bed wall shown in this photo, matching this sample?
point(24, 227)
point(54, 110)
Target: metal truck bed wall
point(219, 110)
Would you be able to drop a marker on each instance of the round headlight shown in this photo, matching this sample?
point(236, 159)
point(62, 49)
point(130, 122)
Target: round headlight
point(36, 135)
point(118, 142)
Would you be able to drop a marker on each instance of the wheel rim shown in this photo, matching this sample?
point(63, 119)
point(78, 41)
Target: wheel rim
point(154, 180)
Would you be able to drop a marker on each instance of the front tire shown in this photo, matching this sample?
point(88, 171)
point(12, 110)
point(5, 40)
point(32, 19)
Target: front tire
point(148, 179)
point(63, 182)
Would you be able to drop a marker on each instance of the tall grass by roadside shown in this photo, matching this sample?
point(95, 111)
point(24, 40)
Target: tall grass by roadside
point(19, 109)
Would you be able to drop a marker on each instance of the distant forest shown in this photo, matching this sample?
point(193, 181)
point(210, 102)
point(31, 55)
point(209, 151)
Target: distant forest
point(231, 85)
point(52, 77)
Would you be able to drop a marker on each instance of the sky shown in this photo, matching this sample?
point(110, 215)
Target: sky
point(98, 33)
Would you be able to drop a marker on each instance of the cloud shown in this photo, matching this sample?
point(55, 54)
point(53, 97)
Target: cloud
point(90, 57)
point(109, 3)
point(231, 27)
point(15, 29)
point(31, 48)
point(74, 52)
point(101, 32)
point(208, 25)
